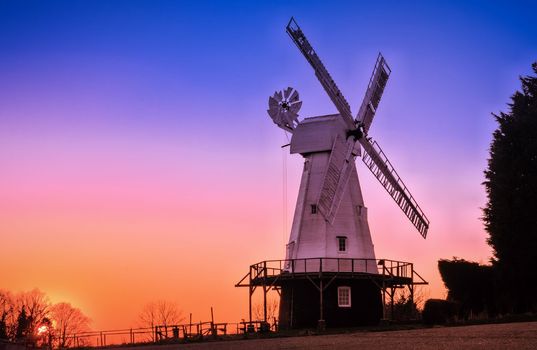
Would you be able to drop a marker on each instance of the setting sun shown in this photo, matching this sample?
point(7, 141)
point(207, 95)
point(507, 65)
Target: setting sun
point(42, 329)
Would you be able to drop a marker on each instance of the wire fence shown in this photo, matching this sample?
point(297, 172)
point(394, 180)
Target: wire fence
point(165, 333)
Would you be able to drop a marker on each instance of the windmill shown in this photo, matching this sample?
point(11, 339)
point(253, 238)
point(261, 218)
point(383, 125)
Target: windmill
point(344, 143)
point(330, 244)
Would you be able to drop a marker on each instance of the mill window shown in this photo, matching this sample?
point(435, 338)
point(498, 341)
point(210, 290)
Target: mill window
point(314, 208)
point(344, 296)
point(342, 243)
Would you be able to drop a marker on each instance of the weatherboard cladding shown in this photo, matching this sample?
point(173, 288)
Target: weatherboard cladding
point(311, 235)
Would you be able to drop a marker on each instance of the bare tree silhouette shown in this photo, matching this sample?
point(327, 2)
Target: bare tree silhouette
point(160, 313)
point(22, 314)
point(7, 315)
point(36, 304)
point(67, 320)
point(273, 307)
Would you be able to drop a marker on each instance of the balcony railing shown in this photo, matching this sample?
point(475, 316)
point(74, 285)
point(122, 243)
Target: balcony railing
point(384, 267)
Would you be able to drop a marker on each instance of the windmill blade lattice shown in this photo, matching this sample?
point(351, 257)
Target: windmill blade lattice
point(374, 91)
point(338, 171)
point(321, 73)
point(375, 159)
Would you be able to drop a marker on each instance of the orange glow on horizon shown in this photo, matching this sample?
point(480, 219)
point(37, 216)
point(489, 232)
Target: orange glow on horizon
point(188, 239)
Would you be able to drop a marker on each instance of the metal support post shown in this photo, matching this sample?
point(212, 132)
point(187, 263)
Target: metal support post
point(250, 297)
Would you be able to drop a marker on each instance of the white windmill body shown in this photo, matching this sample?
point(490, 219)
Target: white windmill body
point(347, 236)
point(330, 250)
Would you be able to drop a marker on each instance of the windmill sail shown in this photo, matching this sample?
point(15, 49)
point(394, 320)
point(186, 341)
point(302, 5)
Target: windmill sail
point(375, 159)
point(336, 177)
point(321, 73)
point(374, 91)
point(342, 155)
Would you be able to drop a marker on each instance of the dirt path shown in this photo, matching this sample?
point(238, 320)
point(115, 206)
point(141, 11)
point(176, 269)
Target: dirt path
point(494, 336)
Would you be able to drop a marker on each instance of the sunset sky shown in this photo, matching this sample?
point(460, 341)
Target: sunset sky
point(138, 163)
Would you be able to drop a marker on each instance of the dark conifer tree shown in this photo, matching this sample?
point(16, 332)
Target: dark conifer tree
point(510, 215)
point(3, 326)
point(23, 323)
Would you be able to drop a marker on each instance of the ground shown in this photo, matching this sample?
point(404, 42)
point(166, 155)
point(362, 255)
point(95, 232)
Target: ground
point(491, 336)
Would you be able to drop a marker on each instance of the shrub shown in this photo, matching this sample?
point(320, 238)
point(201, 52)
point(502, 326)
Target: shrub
point(438, 311)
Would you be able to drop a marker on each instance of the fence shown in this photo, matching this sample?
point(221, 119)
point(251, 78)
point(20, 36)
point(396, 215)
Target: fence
point(163, 333)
